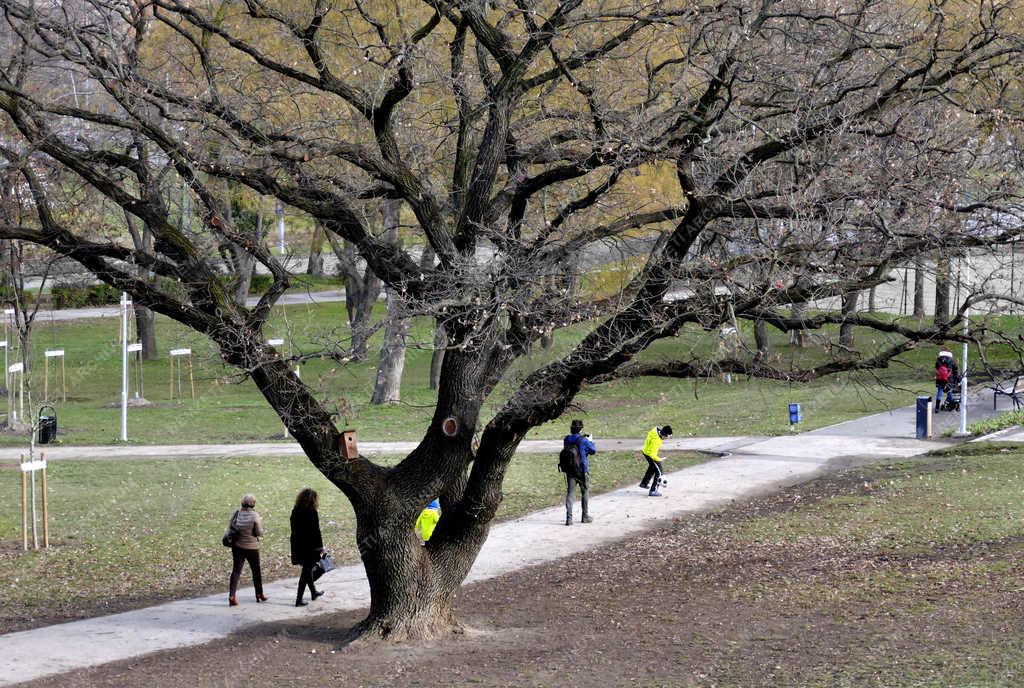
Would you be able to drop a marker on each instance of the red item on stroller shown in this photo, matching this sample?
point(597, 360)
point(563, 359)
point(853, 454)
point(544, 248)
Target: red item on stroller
point(947, 378)
point(945, 367)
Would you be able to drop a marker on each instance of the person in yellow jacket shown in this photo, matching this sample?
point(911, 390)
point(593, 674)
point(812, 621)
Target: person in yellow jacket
point(428, 519)
point(653, 477)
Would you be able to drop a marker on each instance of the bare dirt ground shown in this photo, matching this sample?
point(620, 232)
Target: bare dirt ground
point(689, 604)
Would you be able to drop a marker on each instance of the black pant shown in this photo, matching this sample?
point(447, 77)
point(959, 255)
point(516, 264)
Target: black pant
point(653, 475)
point(238, 558)
point(306, 580)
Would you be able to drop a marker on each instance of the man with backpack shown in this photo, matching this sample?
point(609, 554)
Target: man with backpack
point(572, 461)
point(653, 477)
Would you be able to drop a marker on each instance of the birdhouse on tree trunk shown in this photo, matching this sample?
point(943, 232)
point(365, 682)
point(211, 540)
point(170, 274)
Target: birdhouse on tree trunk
point(347, 445)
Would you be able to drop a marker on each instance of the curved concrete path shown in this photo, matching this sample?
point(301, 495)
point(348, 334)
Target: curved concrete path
point(179, 451)
point(757, 466)
point(290, 299)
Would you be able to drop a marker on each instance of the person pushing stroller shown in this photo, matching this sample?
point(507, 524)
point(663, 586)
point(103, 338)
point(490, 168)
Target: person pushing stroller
point(947, 381)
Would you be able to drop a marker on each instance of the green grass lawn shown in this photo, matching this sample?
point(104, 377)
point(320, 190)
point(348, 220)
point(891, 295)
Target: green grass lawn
point(124, 533)
point(228, 409)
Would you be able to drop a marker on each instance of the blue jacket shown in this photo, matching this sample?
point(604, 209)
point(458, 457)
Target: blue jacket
point(585, 445)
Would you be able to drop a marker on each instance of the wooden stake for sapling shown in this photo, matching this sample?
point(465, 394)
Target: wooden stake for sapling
point(174, 353)
point(55, 353)
point(46, 509)
point(24, 508)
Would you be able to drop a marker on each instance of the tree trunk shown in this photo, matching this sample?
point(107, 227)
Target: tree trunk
point(315, 264)
point(942, 287)
point(241, 263)
point(798, 337)
point(24, 312)
point(872, 305)
point(918, 289)
point(387, 387)
point(244, 264)
point(437, 358)
point(145, 320)
point(145, 324)
point(361, 292)
point(762, 339)
point(440, 336)
point(412, 588)
point(23, 321)
point(849, 308)
point(25, 342)
point(362, 315)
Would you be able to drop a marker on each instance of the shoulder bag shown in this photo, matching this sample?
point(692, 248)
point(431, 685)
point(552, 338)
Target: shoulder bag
point(228, 539)
point(322, 566)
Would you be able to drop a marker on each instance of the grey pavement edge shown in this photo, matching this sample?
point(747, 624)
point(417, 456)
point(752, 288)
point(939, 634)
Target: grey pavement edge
point(758, 467)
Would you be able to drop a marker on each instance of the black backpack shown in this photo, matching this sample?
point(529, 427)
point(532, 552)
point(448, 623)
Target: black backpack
point(569, 461)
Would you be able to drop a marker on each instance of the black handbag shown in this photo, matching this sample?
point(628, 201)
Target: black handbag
point(322, 566)
point(228, 539)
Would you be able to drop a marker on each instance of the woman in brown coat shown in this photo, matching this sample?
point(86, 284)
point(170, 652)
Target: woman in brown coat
point(246, 548)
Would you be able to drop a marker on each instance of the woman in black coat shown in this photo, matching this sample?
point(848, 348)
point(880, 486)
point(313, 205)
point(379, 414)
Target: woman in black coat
point(307, 542)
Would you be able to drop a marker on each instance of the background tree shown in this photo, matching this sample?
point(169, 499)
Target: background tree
point(315, 262)
point(145, 319)
point(387, 386)
point(919, 288)
point(362, 289)
point(759, 146)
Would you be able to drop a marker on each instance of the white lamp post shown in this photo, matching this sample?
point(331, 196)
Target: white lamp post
point(279, 209)
point(962, 432)
point(125, 304)
point(3, 345)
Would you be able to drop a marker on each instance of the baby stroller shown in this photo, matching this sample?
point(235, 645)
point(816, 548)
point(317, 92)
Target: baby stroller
point(947, 378)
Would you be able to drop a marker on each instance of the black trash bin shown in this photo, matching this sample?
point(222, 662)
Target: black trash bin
point(47, 425)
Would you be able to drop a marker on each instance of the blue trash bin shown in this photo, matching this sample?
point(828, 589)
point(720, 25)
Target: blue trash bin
point(923, 416)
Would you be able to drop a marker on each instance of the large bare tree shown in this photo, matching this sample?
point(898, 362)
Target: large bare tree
point(759, 147)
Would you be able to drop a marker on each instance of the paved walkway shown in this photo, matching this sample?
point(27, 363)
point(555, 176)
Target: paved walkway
point(880, 428)
point(290, 299)
point(756, 466)
point(195, 451)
